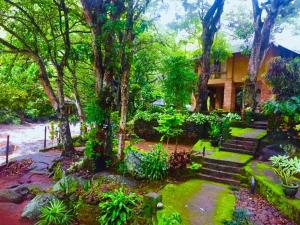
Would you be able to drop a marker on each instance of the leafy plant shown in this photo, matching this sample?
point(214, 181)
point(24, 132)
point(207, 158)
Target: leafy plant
point(173, 219)
point(286, 168)
point(169, 124)
point(215, 131)
point(240, 217)
point(154, 164)
point(179, 160)
point(55, 213)
point(195, 166)
point(91, 143)
point(68, 185)
point(58, 172)
point(117, 207)
point(290, 149)
point(197, 118)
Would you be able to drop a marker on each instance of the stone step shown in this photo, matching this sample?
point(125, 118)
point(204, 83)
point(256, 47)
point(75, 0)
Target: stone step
point(225, 168)
point(239, 146)
point(239, 142)
point(261, 123)
point(244, 139)
point(237, 150)
point(219, 180)
point(224, 162)
point(262, 127)
point(219, 173)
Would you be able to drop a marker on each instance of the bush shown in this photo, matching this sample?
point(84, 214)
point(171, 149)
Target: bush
point(240, 217)
point(173, 219)
point(179, 160)
point(154, 164)
point(55, 213)
point(117, 207)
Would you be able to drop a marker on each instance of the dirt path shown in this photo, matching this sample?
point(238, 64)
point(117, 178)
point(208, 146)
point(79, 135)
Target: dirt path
point(147, 145)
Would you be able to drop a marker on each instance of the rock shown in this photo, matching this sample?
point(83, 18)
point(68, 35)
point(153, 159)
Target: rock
point(151, 202)
point(160, 205)
point(32, 210)
point(117, 178)
point(269, 151)
point(11, 149)
point(9, 195)
point(133, 163)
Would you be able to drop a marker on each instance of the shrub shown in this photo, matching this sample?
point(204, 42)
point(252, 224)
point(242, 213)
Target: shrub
point(240, 217)
point(154, 164)
point(179, 160)
point(117, 207)
point(55, 213)
point(286, 168)
point(173, 219)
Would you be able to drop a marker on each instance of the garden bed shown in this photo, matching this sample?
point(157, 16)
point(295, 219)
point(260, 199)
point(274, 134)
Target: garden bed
point(268, 185)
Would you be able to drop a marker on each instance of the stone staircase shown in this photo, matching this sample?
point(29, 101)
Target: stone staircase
point(260, 125)
point(229, 171)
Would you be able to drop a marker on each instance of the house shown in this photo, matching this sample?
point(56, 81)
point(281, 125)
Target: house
point(226, 82)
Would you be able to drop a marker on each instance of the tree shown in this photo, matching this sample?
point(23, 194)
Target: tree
point(179, 81)
point(210, 16)
point(264, 18)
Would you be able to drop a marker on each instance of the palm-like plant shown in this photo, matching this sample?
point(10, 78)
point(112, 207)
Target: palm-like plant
point(55, 213)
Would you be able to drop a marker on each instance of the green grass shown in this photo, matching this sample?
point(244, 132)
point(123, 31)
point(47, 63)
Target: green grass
point(204, 143)
point(231, 156)
point(225, 207)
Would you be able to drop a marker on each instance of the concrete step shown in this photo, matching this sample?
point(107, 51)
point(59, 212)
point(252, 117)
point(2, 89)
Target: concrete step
point(238, 150)
point(239, 146)
point(224, 162)
point(219, 173)
point(240, 142)
point(219, 180)
point(220, 167)
point(244, 139)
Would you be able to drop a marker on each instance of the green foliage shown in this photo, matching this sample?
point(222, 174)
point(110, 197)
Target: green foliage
point(286, 168)
point(197, 118)
point(55, 213)
point(221, 49)
point(173, 219)
point(240, 217)
point(179, 81)
point(58, 172)
point(117, 207)
point(195, 166)
point(169, 124)
point(68, 185)
point(289, 149)
point(94, 114)
point(91, 143)
point(154, 164)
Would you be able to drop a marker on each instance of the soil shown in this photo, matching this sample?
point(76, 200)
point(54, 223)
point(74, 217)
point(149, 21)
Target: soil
point(147, 145)
point(261, 212)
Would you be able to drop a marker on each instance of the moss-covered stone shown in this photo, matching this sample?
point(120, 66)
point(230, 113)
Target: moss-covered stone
point(180, 197)
point(204, 143)
point(248, 132)
point(272, 190)
point(231, 156)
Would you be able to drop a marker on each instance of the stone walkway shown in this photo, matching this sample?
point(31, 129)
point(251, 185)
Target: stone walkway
point(197, 202)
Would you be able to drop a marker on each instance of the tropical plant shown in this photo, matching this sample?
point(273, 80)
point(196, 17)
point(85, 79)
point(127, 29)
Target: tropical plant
point(154, 164)
point(169, 124)
point(118, 207)
point(172, 219)
point(55, 213)
point(286, 168)
point(240, 217)
point(68, 185)
point(289, 149)
point(179, 160)
point(197, 118)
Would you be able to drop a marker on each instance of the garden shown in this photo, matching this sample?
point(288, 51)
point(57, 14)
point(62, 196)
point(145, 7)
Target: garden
point(108, 117)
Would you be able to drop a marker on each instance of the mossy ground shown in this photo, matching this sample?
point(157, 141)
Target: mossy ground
point(231, 156)
point(268, 185)
point(249, 132)
point(204, 143)
point(176, 197)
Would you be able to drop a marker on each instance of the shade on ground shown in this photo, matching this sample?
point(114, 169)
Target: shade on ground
point(248, 132)
point(198, 202)
point(230, 156)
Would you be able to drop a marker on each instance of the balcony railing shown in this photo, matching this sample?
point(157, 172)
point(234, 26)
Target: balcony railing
point(218, 75)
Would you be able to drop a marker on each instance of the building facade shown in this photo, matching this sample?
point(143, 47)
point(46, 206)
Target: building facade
point(226, 82)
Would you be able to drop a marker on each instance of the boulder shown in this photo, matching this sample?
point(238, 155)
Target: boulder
point(11, 149)
point(270, 150)
point(133, 161)
point(152, 202)
point(117, 178)
point(32, 210)
point(16, 194)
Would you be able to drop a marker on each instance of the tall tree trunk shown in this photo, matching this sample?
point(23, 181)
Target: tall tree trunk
point(65, 131)
point(263, 29)
point(210, 24)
